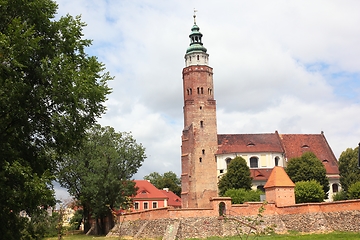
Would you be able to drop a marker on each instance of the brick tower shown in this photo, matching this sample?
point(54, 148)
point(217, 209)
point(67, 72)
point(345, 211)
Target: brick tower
point(199, 138)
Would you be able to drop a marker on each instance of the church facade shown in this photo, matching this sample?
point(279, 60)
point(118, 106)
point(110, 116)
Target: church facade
point(205, 154)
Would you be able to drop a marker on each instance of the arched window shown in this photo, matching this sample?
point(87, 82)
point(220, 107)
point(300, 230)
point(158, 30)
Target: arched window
point(277, 161)
point(222, 209)
point(228, 160)
point(254, 162)
point(335, 188)
point(198, 58)
point(261, 187)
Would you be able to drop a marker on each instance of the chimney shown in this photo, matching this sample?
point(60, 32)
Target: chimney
point(166, 189)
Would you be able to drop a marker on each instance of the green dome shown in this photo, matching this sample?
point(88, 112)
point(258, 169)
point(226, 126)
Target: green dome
point(195, 38)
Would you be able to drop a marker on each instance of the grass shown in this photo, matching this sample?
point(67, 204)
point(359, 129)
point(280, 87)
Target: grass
point(327, 236)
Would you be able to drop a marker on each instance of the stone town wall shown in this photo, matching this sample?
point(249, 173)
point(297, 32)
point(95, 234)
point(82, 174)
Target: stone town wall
point(201, 223)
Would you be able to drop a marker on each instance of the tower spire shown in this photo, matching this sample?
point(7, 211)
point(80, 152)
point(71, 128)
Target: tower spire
point(195, 16)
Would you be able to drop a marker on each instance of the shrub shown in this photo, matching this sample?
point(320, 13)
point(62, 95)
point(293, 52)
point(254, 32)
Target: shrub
point(354, 191)
point(309, 191)
point(339, 196)
point(239, 196)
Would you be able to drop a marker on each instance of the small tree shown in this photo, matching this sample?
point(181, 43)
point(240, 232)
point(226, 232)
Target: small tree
point(349, 171)
point(354, 191)
point(308, 167)
point(236, 177)
point(308, 191)
point(239, 196)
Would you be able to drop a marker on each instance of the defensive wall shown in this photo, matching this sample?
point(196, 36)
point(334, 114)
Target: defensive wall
point(199, 223)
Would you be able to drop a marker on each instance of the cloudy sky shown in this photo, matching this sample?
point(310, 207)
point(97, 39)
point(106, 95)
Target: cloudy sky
point(291, 66)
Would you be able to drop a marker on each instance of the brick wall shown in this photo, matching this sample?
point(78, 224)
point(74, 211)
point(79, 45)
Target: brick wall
point(334, 216)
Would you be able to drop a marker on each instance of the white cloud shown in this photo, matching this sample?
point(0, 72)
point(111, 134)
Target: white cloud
point(291, 66)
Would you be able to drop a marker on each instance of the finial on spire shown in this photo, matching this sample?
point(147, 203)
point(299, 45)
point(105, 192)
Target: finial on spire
point(195, 16)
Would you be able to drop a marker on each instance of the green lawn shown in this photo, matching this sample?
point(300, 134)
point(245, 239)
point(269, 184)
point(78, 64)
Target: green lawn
point(327, 236)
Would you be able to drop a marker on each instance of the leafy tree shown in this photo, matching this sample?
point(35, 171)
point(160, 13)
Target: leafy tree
point(308, 167)
point(309, 191)
point(50, 92)
point(348, 168)
point(99, 173)
point(239, 196)
point(167, 180)
point(354, 191)
point(236, 177)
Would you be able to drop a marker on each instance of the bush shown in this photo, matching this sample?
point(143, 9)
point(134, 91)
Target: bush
point(239, 196)
point(354, 191)
point(339, 196)
point(309, 191)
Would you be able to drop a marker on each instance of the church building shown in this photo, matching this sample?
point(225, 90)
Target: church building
point(205, 154)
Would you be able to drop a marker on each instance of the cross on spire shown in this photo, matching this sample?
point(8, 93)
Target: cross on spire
point(195, 16)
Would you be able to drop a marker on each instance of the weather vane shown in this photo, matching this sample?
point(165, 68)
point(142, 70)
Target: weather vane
point(195, 16)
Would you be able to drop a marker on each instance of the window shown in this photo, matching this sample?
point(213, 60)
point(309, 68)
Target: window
point(261, 188)
point(203, 151)
point(198, 58)
point(335, 188)
point(154, 205)
point(277, 161)
point(228, 160)
point(201, 123)
point(221, 170)
point(254, 162)
point(136, 205)
point(146, 205)
point(200, 159)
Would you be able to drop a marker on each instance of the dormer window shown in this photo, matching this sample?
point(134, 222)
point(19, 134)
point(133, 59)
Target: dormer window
point(250, 144)
point(305, 146)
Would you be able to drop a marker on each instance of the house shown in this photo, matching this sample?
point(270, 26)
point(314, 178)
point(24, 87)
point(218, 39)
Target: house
point(149, 197)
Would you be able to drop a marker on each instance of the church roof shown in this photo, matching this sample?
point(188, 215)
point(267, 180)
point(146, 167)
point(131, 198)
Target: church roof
point(249, 143)
point(296, 144)
point(279, 178)
point(291, 145)
point(260, 174)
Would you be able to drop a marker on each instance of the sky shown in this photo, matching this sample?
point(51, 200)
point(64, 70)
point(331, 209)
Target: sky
point(290, 66)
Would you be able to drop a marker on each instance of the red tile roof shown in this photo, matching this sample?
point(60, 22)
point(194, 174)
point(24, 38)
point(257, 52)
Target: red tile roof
point(244, 143)
point(296, 144)
point(148, 191)
point(279, 178)
point(292, 145)
point(260, 174)
point(173, 199)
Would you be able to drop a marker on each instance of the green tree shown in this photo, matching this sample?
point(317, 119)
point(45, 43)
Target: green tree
point(236, 177)
point(308, 167)
point(50, 92)
point(99, 173)
point(348, 168)
point(239, 196)
point(354, 191)
point(309, 191)
point(167, 180)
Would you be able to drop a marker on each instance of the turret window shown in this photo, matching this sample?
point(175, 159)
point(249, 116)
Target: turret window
point(202, 90)
point(198, 90)
point(201, 123)
point(198, 58)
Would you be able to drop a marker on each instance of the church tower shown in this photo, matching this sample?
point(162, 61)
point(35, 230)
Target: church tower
point(199, 138)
